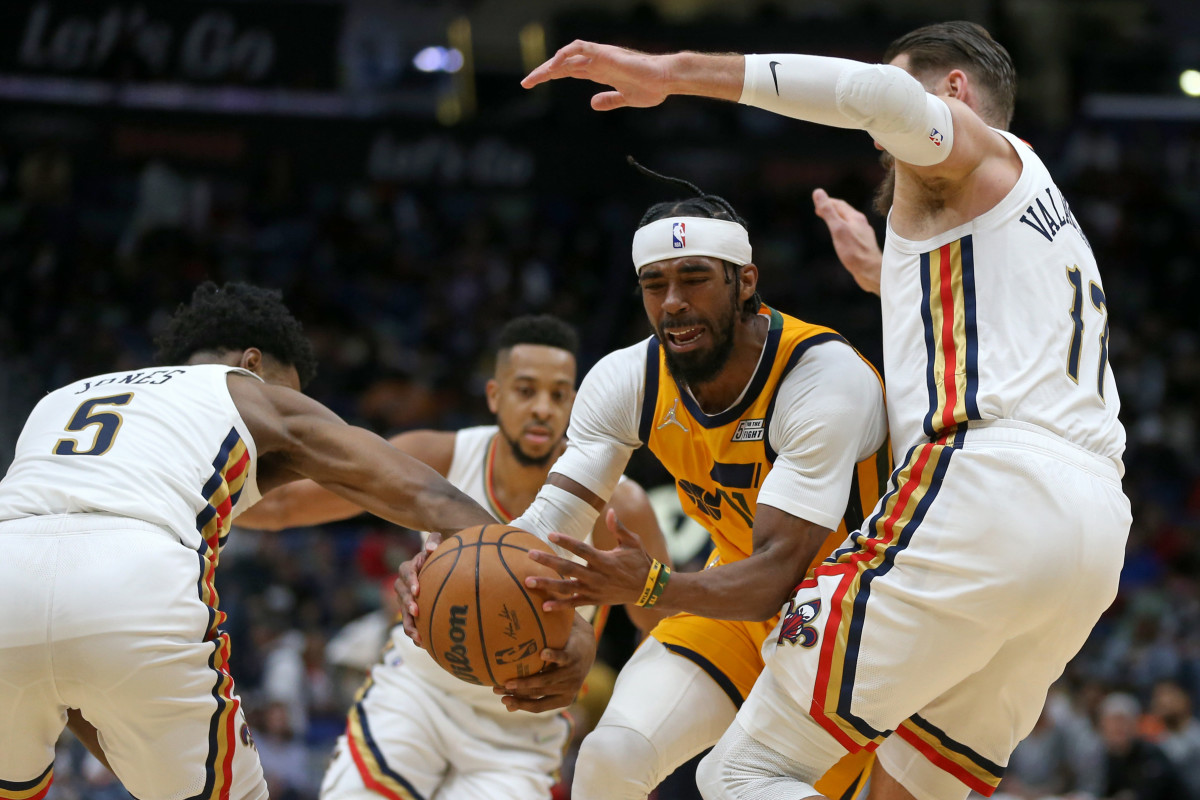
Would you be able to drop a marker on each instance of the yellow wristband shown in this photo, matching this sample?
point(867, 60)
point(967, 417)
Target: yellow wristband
point(656, 567)
point(659, 585)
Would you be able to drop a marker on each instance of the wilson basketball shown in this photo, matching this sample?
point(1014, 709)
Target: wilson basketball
point(476, 616)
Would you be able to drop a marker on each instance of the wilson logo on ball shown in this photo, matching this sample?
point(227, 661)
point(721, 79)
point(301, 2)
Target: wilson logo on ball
point(476, 616)
point(456, 656)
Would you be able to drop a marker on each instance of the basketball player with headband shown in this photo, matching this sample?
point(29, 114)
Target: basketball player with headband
point(774, 431)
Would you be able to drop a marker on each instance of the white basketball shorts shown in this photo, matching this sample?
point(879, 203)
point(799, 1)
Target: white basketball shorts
point(408, 740)
point(104, 614)
point(935, 632)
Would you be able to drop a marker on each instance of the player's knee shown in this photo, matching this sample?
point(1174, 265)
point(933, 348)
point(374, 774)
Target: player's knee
point(615, 761)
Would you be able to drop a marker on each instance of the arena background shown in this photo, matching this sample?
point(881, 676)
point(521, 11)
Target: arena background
point(378, 162)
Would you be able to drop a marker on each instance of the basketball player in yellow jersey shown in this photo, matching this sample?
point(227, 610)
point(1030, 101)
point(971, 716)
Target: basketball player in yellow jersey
point(775, 433)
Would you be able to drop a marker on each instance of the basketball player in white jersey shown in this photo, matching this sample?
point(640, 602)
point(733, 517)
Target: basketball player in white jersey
point(415, 730)
point(933, 634)
point(112, 517)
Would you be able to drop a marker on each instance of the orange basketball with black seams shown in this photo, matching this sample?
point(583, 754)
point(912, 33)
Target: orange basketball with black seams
point(475, 615)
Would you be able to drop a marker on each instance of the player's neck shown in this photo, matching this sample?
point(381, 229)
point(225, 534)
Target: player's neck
point(514, 483)
point(718, 394)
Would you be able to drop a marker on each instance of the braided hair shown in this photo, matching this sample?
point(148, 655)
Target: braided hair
point(705, 206)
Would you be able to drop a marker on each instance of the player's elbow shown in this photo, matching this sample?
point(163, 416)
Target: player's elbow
point(911, 124)
point(767, 607)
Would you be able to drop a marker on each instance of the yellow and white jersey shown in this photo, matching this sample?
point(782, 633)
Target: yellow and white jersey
point(166, 446)
point(801, 437)
point(828, 427)
point(1002, 318)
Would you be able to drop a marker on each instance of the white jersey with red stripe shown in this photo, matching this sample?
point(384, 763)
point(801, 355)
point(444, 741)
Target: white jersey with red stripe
point(1002, 318)
point(165, 445)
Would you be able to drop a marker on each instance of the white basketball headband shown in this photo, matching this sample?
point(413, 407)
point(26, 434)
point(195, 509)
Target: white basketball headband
point(675, 237)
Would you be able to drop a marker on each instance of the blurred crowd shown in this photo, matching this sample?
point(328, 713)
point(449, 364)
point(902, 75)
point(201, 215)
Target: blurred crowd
point(400, 288)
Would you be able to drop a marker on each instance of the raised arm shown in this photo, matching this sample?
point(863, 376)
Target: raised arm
point(297, 437)
point(853, 239)
point(306, 502)
point(938, 136)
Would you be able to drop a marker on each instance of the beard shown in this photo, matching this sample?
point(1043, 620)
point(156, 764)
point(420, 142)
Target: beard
point(886, 191)
point(525, 459)
point(701, 366)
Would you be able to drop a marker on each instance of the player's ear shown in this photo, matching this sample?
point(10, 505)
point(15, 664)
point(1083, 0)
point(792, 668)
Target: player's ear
point(748, 280)
point(251, 360)
point(493, 394)
point(958, 84)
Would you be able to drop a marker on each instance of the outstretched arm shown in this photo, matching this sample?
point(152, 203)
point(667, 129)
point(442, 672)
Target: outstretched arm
point(306, 502)
point(940, 137)
point(297, 437)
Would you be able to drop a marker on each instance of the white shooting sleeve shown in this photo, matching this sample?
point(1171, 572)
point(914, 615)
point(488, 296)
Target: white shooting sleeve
point(914, 126)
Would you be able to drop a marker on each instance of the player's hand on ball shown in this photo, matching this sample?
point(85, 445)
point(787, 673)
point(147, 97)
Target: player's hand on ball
point(407, 587)
point(609, 577)
point(560, 681)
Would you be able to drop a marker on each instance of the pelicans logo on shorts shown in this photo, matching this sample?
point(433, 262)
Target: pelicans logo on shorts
point(247, 737)
point(795, 627)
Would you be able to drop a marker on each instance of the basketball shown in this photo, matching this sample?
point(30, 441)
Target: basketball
point(476, 616)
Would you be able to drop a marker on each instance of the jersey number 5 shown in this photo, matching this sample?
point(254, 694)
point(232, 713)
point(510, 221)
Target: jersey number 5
point(86, 416)
point(1097, 298)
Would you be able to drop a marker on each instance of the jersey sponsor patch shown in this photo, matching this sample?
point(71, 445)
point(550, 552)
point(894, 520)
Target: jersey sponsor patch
point(749, 430)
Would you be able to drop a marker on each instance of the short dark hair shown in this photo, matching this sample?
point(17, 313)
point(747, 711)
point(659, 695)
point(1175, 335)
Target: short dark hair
point(707, 206)
point(237, 316)
point(969, 47)
point(540, 329)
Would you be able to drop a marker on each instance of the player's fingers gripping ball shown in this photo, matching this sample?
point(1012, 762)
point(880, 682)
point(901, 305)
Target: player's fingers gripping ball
point(476, 617)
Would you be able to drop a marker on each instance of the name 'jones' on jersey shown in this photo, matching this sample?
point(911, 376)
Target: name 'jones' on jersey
point(1002, 318)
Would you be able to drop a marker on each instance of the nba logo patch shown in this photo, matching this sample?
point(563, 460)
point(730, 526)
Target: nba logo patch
point(936, 137)
point(678, 235)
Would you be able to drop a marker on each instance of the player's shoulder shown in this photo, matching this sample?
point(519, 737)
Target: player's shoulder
point(834, 370)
